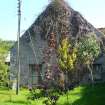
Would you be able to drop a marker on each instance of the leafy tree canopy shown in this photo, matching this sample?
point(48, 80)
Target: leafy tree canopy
point(88, 49)
point(67, 55)
point(4, 48)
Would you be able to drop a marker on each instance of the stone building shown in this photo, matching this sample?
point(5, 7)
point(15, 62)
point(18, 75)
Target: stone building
point(57, 17)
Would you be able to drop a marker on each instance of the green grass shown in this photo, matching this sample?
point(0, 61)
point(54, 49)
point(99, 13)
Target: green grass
point(82, 95)
point(8, 97)
point(85, 95)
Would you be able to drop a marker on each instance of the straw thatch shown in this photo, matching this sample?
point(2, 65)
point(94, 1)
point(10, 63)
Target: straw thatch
point(59, 17)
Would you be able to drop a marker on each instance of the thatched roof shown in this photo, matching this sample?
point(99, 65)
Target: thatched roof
point(59, 17)
point(102, 30)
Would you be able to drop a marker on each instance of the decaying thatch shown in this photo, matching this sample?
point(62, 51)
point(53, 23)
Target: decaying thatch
point(102, 30)
point(59, 17)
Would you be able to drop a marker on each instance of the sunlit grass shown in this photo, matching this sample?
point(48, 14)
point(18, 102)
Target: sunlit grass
point(82, 95)
point(9, 97)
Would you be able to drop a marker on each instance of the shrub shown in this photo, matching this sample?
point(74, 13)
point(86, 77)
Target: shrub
point(35, 94)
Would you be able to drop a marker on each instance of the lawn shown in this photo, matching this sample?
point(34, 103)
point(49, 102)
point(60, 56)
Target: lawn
point(8, 97)
point(85, 95)
point(82, 95)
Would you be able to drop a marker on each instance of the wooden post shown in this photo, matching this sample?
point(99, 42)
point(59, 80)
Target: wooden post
point(18, 48)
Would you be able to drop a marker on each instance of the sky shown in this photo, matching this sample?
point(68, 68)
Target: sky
point(92, 10)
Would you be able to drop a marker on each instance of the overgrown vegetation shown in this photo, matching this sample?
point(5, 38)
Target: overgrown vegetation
point(67, 55)
point(4, 49)
point(88, 51)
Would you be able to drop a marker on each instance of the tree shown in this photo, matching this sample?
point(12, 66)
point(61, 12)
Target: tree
point(67, 55)
point(4, 48)
point(88, 51)
point(3, 72)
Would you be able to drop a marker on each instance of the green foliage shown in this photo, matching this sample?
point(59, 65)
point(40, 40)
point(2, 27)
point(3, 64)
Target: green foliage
point(4, 48)
point(85, 95)
point(88, 49)
point(36, 94)
point(81, 95)
point(52, 97)
point(3, 72)
point(67, 55)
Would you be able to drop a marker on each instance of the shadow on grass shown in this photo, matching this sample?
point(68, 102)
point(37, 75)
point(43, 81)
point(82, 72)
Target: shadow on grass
point(91, 95)
point(17, 102)
point(4, 93)
point(3, 88)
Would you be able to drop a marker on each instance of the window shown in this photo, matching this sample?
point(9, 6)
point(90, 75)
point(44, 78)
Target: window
point(35, 73)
